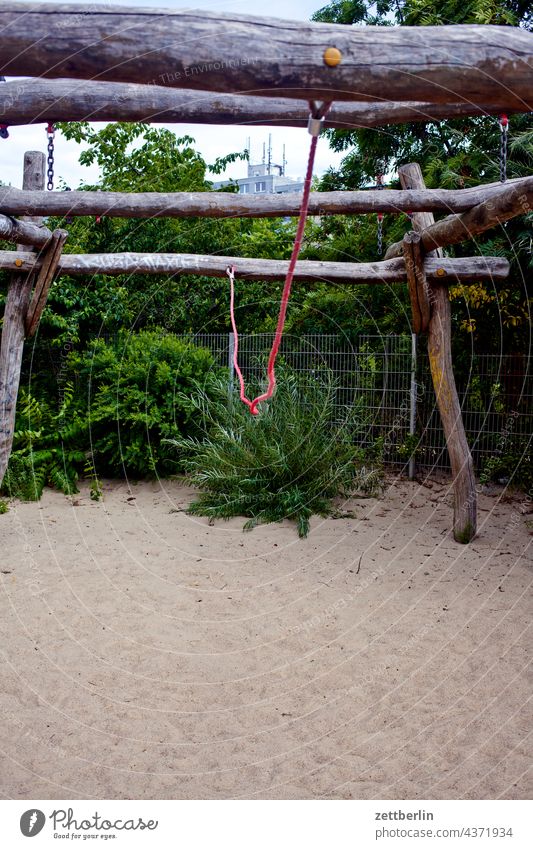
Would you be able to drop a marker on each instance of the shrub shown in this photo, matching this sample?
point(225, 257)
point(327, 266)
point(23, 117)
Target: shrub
point(135, 394)
point(48, 448)
point(288, 462)
point(513, 463)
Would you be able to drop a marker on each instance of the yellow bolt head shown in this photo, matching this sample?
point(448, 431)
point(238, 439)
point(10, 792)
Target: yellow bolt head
point(18, 263)
point(441, 272)
point(332, 57)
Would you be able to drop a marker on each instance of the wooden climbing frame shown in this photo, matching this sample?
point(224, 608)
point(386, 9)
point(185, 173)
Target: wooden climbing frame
point(213, 58)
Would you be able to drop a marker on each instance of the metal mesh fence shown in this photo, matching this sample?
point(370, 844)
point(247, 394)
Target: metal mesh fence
point(393, 384)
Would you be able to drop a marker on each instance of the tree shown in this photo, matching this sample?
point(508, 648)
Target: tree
point(452, 154)
point(138, 157)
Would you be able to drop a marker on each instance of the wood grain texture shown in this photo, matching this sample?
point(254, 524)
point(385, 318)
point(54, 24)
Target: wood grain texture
point(12, 344)
point(440, 361)
point(224, 204)
point(24, 232)
point(49, 267)
point(417, 282)
point(41, 100)
point(389, 271)
point(513, 199)
point(235, 53)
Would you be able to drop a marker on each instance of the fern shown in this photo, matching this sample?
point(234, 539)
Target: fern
point(47, 448)
point(287, 463)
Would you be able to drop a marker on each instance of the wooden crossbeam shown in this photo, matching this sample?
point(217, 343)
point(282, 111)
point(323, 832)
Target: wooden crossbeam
point(49, 267)
point(24, 232)
point(511, 201)
point(389, 271)
point(225, 204)
point(211, 51)
point(29, 101)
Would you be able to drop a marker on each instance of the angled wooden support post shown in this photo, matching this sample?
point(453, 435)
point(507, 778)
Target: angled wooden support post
point(417, 282)
point(47, 272)
point(440, 360)
point(17, 300)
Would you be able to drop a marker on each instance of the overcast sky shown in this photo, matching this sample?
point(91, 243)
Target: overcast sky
point(210, 141)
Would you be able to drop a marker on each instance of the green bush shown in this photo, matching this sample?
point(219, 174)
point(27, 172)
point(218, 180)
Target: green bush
point(288, 462)
point(135, 394)
point(512, 464)
point(48, 448)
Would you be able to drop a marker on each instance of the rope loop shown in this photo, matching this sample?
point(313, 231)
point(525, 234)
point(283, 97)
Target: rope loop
point(317, 115)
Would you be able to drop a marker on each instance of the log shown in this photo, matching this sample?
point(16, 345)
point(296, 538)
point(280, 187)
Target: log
point(24, 232)
point(49, 267)
point(390, 271)
point(11, 348)
point(33, 100)
point(513, 199)
point(440, 361)
point(416, 282)
point(236, 53)
point(226, 204)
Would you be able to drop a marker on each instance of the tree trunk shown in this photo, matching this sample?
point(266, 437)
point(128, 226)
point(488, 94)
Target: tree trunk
point(463, 269)
point(233, 53)
point(33, 100)
point(225, 204)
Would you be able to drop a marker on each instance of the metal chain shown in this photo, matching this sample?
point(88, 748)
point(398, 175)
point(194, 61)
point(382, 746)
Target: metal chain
point(504, 134)
point(380, 233)
point(380, 185)
point(50, 133)
point(4, 132)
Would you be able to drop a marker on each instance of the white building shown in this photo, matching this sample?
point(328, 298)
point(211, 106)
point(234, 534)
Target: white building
point(265, 178)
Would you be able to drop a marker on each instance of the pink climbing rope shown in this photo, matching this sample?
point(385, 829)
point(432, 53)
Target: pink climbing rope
point(314, 128)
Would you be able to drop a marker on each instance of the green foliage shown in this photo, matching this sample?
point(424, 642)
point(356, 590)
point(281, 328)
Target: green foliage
point(4, 508)
point(452, 154)
point(137, 158)
point(134, 392)
point(289, 462)
point(47, 448)
point(512, 463)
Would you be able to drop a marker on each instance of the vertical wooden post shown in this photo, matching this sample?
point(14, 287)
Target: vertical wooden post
point(17, 301)
point(440, 360)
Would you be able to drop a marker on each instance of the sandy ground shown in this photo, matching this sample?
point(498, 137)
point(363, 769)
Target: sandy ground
point(145, 654)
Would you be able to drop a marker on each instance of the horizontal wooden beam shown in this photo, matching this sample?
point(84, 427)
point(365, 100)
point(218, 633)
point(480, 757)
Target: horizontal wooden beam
point(236, 53)
point(24, 232)
point(29, 101)
point(389, 271)
point(226, 204)
point(514, 199)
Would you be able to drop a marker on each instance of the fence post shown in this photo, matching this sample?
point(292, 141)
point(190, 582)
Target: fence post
point(412, 411)
point(231, 354)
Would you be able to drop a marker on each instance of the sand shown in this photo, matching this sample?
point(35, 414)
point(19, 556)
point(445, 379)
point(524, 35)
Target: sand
point(147, 654)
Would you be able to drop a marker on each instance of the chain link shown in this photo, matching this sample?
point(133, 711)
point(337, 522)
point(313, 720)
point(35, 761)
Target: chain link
point(380, 185)
point(50, 133)
point(4, 132)
point(380, 234)
point(504, 134)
